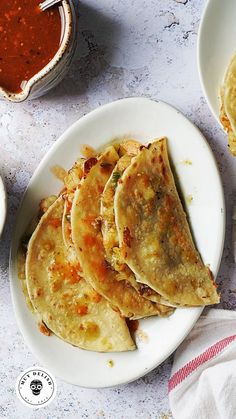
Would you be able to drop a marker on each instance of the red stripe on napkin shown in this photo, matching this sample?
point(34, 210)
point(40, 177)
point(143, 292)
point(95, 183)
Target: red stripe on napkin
point(210, 353)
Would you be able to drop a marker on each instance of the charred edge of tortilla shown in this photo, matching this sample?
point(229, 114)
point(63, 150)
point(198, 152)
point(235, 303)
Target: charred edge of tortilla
point(88, 164)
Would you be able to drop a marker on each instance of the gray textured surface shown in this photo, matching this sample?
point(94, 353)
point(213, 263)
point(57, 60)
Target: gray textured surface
point(125, 49)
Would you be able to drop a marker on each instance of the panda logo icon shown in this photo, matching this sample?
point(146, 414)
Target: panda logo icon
point(36, 387)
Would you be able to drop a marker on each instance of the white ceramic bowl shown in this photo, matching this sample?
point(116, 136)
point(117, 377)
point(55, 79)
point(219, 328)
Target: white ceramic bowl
point(55, 70)
point(216, 46)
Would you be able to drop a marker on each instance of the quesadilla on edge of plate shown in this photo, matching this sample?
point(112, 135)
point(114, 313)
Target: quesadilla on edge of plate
point(67, 304)
point(228, 104)
point(22, 249)
point(88, 241)
point(153, 231)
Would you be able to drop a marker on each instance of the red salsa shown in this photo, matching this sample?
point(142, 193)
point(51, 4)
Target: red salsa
point(29, 39)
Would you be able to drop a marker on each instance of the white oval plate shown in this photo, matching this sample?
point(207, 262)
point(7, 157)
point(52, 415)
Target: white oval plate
point(144, 120)
point(216, 46)
point(3, 205)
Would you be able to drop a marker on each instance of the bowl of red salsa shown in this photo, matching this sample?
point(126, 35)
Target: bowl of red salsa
point(36, 47)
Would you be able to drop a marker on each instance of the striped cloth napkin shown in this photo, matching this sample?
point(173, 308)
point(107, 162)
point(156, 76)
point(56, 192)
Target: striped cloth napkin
point(203, 379)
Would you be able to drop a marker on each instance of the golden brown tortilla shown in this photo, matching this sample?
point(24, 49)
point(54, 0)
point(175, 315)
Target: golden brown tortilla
point(110, 235)
point(88, 241)
point(67, 304)
point(72, 181)
point(228, 104)
point(154, 234)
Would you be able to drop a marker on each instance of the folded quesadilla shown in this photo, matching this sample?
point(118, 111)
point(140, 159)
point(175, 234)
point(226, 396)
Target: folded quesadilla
point(153, 231)
point(110, 235)
point(71, 183)
point(66, 303)
point(228, 104)
point(22, 250)
point(87, 238)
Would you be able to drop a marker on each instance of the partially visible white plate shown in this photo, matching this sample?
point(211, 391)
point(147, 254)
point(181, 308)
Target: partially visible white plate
point(216, 46)
point(3, 205)
point(144, 120)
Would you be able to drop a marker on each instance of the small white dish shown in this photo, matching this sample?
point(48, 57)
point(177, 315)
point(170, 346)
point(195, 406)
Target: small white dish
point(3, 205)
point(216, 46)
point(194, 163)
